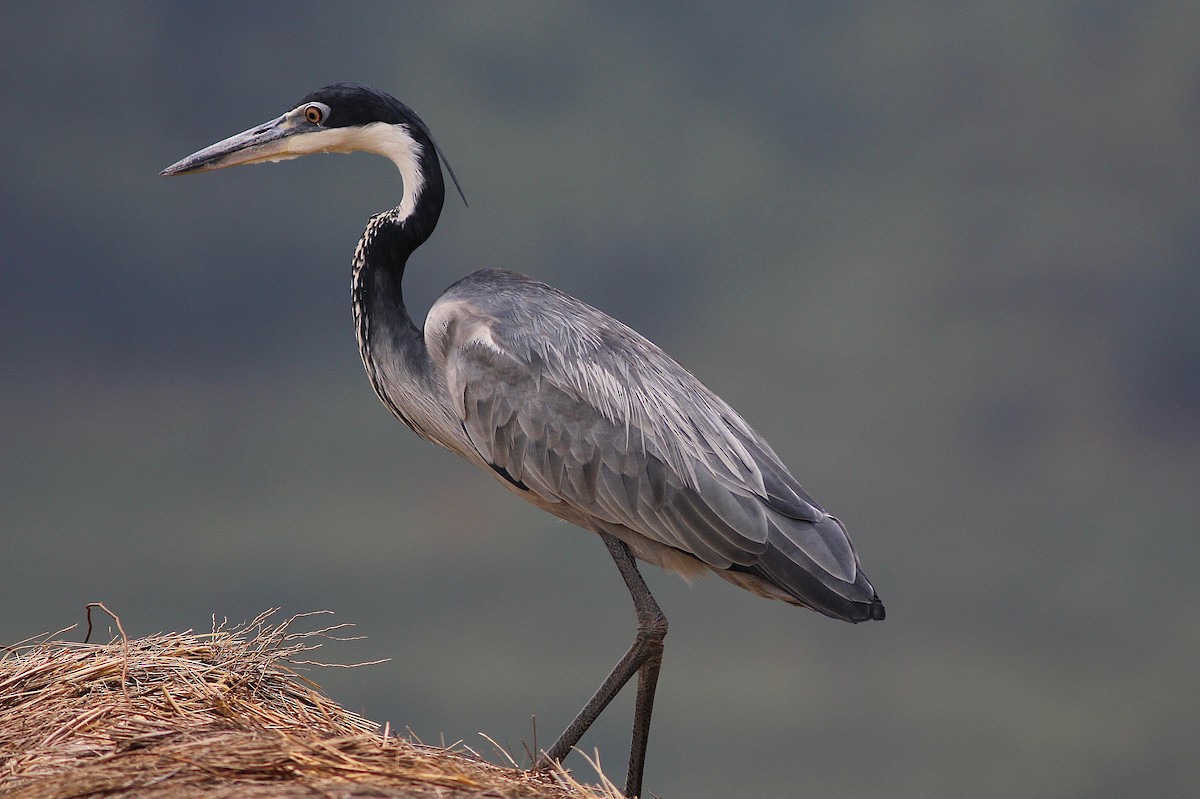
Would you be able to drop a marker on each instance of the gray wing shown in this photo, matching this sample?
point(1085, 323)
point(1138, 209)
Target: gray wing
point(576, 408)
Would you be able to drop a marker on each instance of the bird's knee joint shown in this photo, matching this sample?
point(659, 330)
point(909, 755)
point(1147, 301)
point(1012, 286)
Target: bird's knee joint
point(653, 628)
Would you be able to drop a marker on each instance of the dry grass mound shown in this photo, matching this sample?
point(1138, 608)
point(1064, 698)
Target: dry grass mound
point(219, 714)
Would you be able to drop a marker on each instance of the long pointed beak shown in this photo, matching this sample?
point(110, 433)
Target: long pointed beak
point(266, 142)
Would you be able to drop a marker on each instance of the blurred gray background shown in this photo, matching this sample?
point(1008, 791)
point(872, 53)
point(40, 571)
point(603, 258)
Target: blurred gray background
point(942, 255)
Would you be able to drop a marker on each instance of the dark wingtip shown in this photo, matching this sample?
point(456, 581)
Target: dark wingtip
point(858, 612)
point(862, 611)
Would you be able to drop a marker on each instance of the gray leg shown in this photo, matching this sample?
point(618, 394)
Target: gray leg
point(643, 658)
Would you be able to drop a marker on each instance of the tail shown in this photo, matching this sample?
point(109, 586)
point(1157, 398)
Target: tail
point(789, 570)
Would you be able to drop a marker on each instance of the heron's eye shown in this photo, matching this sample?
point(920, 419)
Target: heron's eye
point(314, 114)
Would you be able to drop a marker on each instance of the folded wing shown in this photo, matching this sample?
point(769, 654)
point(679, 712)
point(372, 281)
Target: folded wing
point(576, 408)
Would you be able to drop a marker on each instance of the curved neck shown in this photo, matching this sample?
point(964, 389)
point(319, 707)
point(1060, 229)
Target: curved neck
point(392, 236)
point(381, 318)
point(392, 346)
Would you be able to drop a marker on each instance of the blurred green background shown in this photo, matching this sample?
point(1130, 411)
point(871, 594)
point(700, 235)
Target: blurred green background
point(942, 255)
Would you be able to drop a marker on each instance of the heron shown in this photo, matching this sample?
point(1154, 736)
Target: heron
point(566, 407)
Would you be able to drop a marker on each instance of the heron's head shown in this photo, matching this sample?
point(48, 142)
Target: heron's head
point(342, 118)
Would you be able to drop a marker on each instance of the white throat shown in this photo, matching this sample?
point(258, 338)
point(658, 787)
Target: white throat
point(393, 142)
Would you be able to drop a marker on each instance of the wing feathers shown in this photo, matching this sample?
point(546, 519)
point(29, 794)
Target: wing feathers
point(584, 411)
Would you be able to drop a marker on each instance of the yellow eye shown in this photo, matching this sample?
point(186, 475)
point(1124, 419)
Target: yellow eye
point(314, 114)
